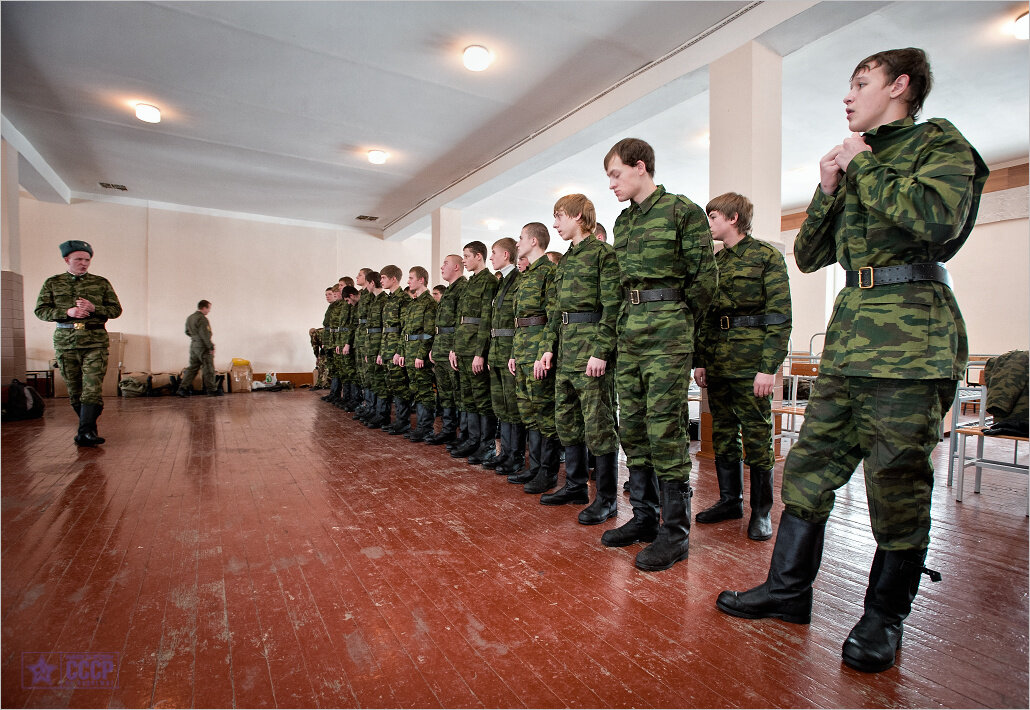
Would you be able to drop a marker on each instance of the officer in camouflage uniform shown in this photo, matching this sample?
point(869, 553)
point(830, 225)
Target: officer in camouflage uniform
point(80, 303)
point(503, 399)
point(669, 276)
point(533, 301)
point(417, 331)
point(741, 344)
point(447, 387)
point(332, 297)
point(891, 206)
point(345, 350)
point(363, 395)
point(380, 405)
point(581, 330)
point(392, 345)
point(471, 347)
point(202, 352)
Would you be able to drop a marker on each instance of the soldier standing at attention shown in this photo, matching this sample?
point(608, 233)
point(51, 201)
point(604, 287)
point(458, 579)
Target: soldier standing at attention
point(471, 346)
point(533, 301)
point(202, 353)
point(511, 459)
point(390, 346)
point(373, 340)
point(418, 330)
point(895, 200)
point(339, 317)
point(741, 344)
point(669, 276)
point(332, 297)
point(80, 303)
point(448, 390)
point(363, 397)
point(581, 331)
point(345, 347)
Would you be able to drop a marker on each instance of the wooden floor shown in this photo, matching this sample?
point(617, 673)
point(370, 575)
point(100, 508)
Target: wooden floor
point(263, 549)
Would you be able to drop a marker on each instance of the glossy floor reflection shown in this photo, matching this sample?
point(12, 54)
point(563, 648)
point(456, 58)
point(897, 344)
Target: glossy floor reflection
point(265, 550)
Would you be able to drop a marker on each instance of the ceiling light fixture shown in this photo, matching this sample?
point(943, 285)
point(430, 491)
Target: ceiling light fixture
point(1021, 27)
point(377, 157)
point(492, 224)
point(477, 57)
point(148, 113)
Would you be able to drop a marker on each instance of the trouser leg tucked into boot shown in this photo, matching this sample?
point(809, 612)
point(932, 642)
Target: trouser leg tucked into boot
point(382, 415)
point(759, 527)
point(448, 428)
point(534, 442)
point(87, 434)
point(402, 418)
point(893, 582)
point(672, 542)
point(575, 488)
point(643, 496)
point(787, 591)
point(605, 503)
point(472, 433)
point(463, 432)
point(546, 476)
point(501, 459)
point(424, 417)
point(334, 390)
point(517, 451)
point(730, 505)
point(487, 437)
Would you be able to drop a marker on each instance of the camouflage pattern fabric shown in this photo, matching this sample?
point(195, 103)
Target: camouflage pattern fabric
point(1007, 385)
point(81, 352)
point(392, 344)
point(201, 357)
point(535, 398)
point(584, 411)
point(376, 373)
point(740, 418)
point(664, 242)
point(420, 319)
point(448, 390)
point(360, 336)
point(336, 319)
point(892, 427)
point(327, 323)
point(348, 362)
point(503, 397)
point(471, 340)
point(912, 199)
point(321, 366)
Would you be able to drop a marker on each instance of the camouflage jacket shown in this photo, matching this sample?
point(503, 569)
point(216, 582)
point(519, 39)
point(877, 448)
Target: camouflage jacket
point(502, 316)
point(446, 317)
point(341, 320)
point(474, 339)
point(752, 281)
point(59, 294)
point(419, 319)
point(199, 330)
point(327, 323)
point(664, 242)
point(1007, 385)
point(361, 314)
point(534, 298)
point(586, 281)
point(393, 317)
point(373, 341)
point(912, 199)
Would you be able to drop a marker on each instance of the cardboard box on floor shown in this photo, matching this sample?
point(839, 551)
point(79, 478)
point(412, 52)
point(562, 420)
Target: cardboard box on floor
point(115, 353)
point(240, 378)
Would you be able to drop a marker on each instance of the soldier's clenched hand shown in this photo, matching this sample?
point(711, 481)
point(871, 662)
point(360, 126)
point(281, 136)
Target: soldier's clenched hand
point(595, 367)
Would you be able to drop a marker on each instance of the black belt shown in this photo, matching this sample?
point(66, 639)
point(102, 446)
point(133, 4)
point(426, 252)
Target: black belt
point(868, 277)
point(727, 322)
point(391, 330)
point(82, 326)
point(532, 320)
point(445, 329)
point(362, 321)
point(656, 294)
point(580, 317)
point(334, 330)
point(502, 332)
point(373, 330)
point(469, 320)
point(420, 336)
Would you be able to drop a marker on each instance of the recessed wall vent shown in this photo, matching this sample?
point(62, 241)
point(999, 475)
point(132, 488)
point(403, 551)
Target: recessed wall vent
point(366, 218)
point(113, 186)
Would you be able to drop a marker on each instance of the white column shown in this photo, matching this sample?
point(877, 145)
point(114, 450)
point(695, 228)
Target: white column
point(446, 239)
point(10, 251)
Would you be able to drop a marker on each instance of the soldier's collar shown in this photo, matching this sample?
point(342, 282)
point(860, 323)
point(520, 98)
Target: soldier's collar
point(905, 122)
point(645, 206)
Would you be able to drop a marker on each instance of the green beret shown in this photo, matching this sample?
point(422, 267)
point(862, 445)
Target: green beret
point(73, 245)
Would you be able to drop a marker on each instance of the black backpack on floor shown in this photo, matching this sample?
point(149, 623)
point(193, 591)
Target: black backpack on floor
point(23, 402)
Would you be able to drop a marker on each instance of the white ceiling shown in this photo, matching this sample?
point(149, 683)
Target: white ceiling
point(269, 107)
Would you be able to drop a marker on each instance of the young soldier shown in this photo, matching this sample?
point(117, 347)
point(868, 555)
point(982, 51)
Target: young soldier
point(332, 297)
point(503, 255)
point(392, 347)
point(438, 292)
point(419, 324)
point(471, 346)
point(533, 301)
point(448, 391)
point(363, 395)
point(892, 204)
point(669, 276)
point(338, 367)
point(379, 406)
point(741, 344)
point(345, 346)
point(581, 330)
point(81, 303)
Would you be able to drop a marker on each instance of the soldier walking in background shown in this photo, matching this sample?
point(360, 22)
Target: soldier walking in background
point(892, 204)
point(202, 353)
point(80, 303)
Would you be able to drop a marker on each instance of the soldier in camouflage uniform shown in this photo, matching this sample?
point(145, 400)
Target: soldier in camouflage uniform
point(741, 344)
point(511, 458)
point(339, 316)
point(363, 395)
point(581, 330)
point(321, 368)
point(533, 301)
point(380, 405)
point(80, 303)
point(471, 347)
point(392, 345)
point(202, 352)
point(891, 206)
point(669, 276)
point(345, 350)
point(417, 331)
point(332, 297)
point(447, 387)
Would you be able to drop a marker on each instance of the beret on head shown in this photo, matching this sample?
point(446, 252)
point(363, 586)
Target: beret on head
point(73, 245)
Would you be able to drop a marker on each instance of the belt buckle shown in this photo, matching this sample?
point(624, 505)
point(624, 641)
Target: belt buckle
point(80, 326)
point(564, 317)
point(634, 296)
point(724, 322)
point(861, 278)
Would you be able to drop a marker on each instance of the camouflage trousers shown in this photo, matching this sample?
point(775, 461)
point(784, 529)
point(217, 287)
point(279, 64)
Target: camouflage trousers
point(475, 389)
point(360, 366)
point(739, 416)
point(654, 414)
point(448, 390)
point(503, 398)
point(200, 359)
point(584, 411)
point(891, 427)
point(83, 371)
point(377, 378)
point(347, 368)
point(397, 380)
point(321, 371)
point(420, 383)
point(536, 400)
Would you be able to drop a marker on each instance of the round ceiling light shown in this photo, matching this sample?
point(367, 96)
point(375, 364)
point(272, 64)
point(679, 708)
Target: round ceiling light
point(377, 157)
point(1021, 28)
point(477, 57)
point(148, 113)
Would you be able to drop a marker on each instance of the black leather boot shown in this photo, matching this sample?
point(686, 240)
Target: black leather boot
point(472, 433)
point(547, 477)
point(463, 432)
point(366, 404)
point(575, 488)
point(424, 418)
point(487, 438)
point(517, 451)
point(382, 415)
point(492, 463)
point(787, 591)
point(402, 417)
point(759, 527)
point(643, 496)
point(533, 443)
point(334, 389)
point(87, 434)
point(672, 543)
point(605, 503)
point(731, 493)
point(78, 408)
point(449, 425)
point(872, 645)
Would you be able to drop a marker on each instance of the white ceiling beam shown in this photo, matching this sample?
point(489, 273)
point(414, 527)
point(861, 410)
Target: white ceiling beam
point(34, 173)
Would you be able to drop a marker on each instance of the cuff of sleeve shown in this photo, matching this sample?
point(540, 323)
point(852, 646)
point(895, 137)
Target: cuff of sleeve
point(860, 162)
point(821, 202)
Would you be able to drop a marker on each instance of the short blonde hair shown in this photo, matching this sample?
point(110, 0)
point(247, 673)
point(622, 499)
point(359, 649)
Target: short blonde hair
point(577, 204)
